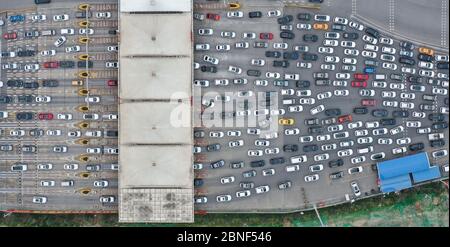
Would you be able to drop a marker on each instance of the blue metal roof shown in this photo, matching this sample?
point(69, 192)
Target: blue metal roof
point(401, 173)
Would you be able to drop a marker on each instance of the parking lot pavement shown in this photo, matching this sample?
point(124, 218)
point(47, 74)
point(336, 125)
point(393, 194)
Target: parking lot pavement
point(57, 165)
point(302, 194)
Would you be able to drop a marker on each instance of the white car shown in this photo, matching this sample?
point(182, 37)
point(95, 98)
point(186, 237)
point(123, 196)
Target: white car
point(68, 31)
point(345, 152)
point(364, 140)
point(53, 132)
point(387, 57)
point(399, 150)
point(329, 50)
point(385, 141)
point(274, 75)
point(281, 46)
point(340, 20)
point(302, 93)
point(205, 31)
point(328, 147)
point(321, 157)
point(304, 26)
point(228, 34)
point(358, 159)
point(210, 60)
point(294, 131)
point(235, 14)
point(332, 59)
point(305, 139)
point(72, 49)
point(39, 199)
point(390, 66)
point(369, 39)
point(327, 67)
point(17, 132)
point(76, 133)
point(406, 105)
point(413, 124)
point(379, 84)
point(316, 110)
point(112, 65)
point(92, 99)
point(396, 86)
point(103, 15)
point(311, 178)
point(372, 124)
point(216, 134)
point(227, 180)
point(304, 65)
point(262, 189)
point(403, 141)
point(63, 17)
point(351, 52)
point(48, 53)
point(419, 114)
point(355, 125)
point(234, 69)
point(343, 76)
point(60, 41)
point(356, 26)
point(242, 45)
point(427, 73)
point(268, 172)
point(439, 91)
point(85, 31)
point(324, 95)
point(277, 112)
point(388, 50)
point(47, 183)
point(370, 54)
point(341, 92)
point(370, 47)
point(297, 108)
point(263, 83)
point(223, 47)
point(93, 150)
point(244, 193)
point(223, 198)
point(31, 67)
point(380, 131)
point(386, 41)
point(62, 116)
point(38, 17)
point(361, 133)
point(340, 83)
point(271, 150)
point(43, 99)
point(221, 82)
point(397, 130)
point(253, 153)
point(425, 65)
point(348, 44)
point(70, 167)
point(349, 61)
point(321, 138)
point(274, 13)
point(330, 42)
point(409, 70)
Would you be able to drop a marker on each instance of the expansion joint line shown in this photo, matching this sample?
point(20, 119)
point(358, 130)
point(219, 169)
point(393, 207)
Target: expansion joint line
point(444, 23)
point(391, 15)
point(354, 7)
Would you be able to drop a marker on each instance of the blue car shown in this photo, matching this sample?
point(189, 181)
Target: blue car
point(369, 70)
point(17, 18)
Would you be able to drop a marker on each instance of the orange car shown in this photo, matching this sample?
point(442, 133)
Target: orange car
point(320, 26)
point(286, 121)
point(426, 51)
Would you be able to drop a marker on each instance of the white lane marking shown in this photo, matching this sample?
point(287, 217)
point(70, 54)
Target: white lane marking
point(444, 14)
point(354, 10)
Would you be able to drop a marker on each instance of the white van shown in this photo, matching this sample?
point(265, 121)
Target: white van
point(288, 101)
point(50, 32)
point(292, 168)
point(298, 159)
point(370, 47)
point(435, 136)
point(68, 31)
point(380, 76)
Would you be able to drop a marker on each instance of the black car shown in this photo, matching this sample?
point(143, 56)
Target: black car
point(112, 32)
point(405, 60)
point(24, 116)
point(41, 1)
point(24, 99)
point(372, 32)
point(275, 54)
point(287, 35)
point(406, 45)
point(427, 107)
point(26, 53)
point(439, 125)
point(82, 14)
point(329, 121)
point(360, 110)
point(397, 77)
point(316, 1)
point(333, 112)
point(416, 147)
point(310, 148)
point(304, 16)
point(388, 122)
point(303, 84)
point(31, 85)
point(400, 113)
point(335, 163)
point(277, 161)
point(291, 55)
point(416, 79)
point(255, 14)
point(321, 82)
point(310, 57)
point(437, 143)
point(198, 182)
point(380, 113)
point(82, 64)
point(217, 164)
point(280, 64)
point(50, 83)
point(14, 83)
point(5, 99)
point(312, 121)
point(213, 147)
point(36, 132)
point(338, 27)
point(351, 36)
point(285, 19)
point(337, 175)
point(253, 72)
point(425, 57)
point(248, 174)
point(442, 65)
point(66, 64)
point(199, 134)
point(260, 44)
point(112, 133)
point(315, 130)
point(210, 69)
point(290, 148)
point(436, 117)
point(257, 163)
point(310, 38)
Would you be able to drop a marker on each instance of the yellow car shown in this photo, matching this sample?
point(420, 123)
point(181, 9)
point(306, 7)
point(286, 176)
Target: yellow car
point(426, 51)
point(320, 26)
point(286, 121)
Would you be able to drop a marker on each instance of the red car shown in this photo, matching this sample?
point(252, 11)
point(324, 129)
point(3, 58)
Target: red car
point(361, 77)
point(368, 102)
point(112, 83)
point(49, 65)
point(345, 118)
point(268, 36)
point(359, 84)
point(212, 16)
point(45, 116)
point(12, 35)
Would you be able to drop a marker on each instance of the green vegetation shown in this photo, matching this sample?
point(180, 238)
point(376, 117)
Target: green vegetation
point(423, 206)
